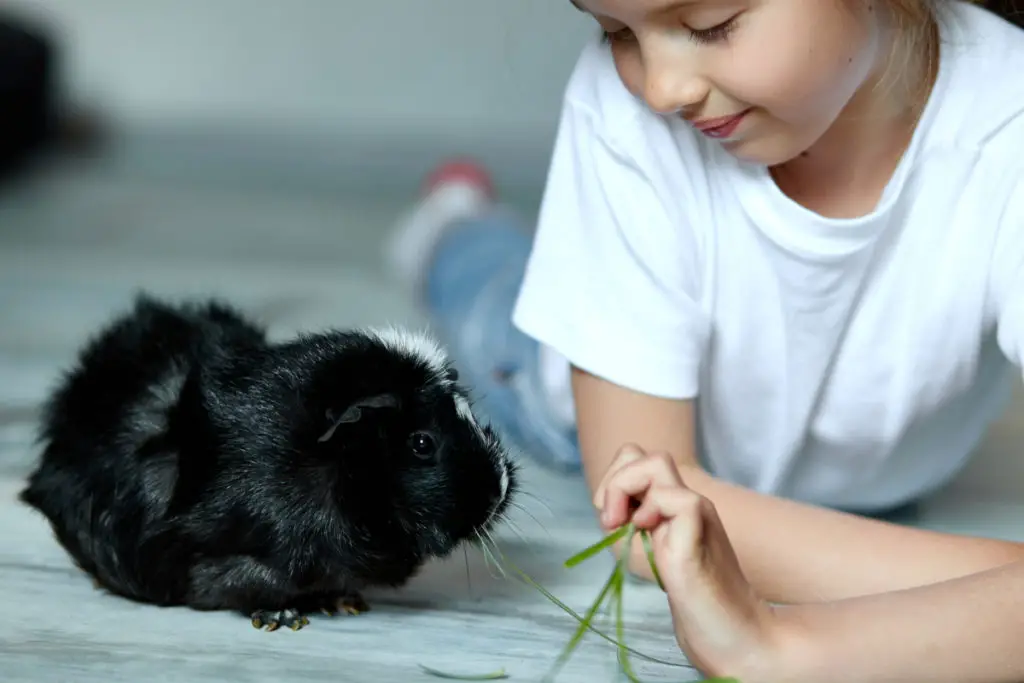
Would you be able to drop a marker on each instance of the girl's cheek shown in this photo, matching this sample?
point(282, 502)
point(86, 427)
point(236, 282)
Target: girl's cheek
point(630, 70)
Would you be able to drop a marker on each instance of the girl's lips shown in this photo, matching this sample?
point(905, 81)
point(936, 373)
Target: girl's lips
point(721, 127)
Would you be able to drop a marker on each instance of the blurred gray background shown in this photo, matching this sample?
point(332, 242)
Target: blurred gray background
point(366, 92)
point(261, 149)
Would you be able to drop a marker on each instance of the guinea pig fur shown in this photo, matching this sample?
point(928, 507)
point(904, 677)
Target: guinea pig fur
point(188, 461)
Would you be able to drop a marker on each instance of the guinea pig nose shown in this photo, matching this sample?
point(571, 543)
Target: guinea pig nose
point(452, 375)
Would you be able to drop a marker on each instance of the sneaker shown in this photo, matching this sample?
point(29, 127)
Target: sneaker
point(454, 191)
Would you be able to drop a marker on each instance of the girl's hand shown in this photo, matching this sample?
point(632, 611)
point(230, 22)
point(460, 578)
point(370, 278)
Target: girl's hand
point(723, 627)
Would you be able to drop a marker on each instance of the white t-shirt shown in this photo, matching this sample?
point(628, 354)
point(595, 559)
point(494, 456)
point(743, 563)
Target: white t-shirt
point(847, 362)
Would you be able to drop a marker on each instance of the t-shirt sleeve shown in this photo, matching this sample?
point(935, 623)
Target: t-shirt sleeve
point(1007, 278)
point(612, 282)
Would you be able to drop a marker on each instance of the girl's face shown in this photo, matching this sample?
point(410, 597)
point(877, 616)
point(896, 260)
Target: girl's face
point(767, 78)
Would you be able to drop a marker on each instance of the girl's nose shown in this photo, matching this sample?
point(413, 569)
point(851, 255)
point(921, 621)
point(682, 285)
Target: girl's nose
point(672, 84)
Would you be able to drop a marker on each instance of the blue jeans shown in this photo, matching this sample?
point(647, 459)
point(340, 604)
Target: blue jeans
point(471, 286)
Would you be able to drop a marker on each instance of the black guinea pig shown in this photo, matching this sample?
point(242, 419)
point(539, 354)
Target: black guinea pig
point(187, 460)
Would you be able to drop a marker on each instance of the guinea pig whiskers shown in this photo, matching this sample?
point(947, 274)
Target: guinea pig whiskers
point(519, 506)
point(469, 576)
point(514, 528)
point(496, 549)
point(537, 498)
point(489, 558)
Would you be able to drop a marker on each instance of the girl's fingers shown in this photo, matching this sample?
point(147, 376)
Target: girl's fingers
point(677, 519)
point(669, 503)
point(632, 481)
point(627, 454)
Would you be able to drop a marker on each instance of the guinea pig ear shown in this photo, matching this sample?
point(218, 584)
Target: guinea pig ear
point(355, 412)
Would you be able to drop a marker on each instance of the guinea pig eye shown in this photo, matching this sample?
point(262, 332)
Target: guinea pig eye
point(422, 444)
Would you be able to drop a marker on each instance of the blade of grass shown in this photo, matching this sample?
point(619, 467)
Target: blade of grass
point(494, 676)
point(610, 540)
point(571, 612)
point(585, 625)
point(615, 586)
point(649, 549)
point(620, 627)
point(593, 550)
point(623, 651)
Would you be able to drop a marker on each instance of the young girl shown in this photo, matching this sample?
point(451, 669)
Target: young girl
point(782, 242)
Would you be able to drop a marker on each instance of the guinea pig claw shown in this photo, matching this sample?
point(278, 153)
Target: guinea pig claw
point(355, 610)
point(274, 620)
point(349, 603)
point(352, 604)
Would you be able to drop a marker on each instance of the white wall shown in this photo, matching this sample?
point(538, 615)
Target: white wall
point(451, 72)
point(429, 64)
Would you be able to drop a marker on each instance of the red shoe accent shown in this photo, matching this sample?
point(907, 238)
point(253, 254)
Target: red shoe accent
point(460, 170)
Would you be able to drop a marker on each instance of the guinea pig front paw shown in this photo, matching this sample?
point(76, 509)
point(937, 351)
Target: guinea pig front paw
point(275, 619)
point(332, 604)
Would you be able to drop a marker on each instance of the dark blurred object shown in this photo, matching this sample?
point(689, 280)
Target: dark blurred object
point(32, 118)
point(28, 99)
point(1013, 10)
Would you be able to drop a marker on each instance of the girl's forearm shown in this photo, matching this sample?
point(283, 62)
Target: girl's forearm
point(792, 552)
point(797, 553)
point(789, 551)
point(965, 630)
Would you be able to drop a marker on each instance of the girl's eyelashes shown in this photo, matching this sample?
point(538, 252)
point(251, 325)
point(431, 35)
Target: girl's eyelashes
point(715, 34)
point(705, 36)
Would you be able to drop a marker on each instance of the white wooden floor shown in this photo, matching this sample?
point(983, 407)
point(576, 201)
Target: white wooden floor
point(72, 250)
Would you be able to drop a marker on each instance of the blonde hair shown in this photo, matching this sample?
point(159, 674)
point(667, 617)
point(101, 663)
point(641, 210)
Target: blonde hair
point(917, 24)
